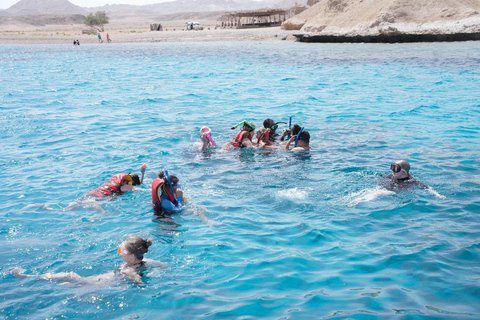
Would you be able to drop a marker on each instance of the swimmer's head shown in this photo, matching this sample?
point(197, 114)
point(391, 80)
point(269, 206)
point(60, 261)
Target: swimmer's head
point(304, 136)
point(135, 179)
point(132, 179)
point(134, 245)
point(268, 123)
point(401, 169)
point(173, 179)
point(247, 126)
point(296, 129)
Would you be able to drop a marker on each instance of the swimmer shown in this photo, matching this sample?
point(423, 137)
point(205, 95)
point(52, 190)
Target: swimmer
point(401, 179)
point(114, 187)
point(131, 250)
point(166, 194)
point(263, 139)
point(288, 132)
point(243, 139)
point(301, 140)
point(168, 198)
point(206, 139)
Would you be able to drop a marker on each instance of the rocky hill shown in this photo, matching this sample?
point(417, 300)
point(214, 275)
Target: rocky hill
point(36, 7)
point(388, 17)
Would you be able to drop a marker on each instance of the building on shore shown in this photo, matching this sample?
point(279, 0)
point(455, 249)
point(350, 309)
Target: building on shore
point(258, 18)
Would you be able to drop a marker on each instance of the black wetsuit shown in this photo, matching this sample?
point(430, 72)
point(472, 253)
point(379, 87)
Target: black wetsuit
point(389, 182)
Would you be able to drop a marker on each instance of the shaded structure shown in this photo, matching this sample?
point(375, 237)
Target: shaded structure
point(257, 18)
point(156, 27)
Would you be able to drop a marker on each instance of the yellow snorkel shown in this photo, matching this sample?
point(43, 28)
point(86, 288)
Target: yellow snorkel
point(245, 122)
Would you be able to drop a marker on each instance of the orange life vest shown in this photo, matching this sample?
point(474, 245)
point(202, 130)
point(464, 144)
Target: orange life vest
point(237, 140)
point(265, 138)
point(112, 186)
point(157, 185)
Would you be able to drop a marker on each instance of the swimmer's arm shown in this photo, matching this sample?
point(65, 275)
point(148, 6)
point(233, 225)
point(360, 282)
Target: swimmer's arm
point(287, 146)
point(127, 187)
point(247, 143)
point(155, 263)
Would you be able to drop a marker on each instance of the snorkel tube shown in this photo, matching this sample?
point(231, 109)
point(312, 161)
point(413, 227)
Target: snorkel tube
point(169, 182)
point(245, 122)
point(142, 169)
point(290, 128)
point(298, 136)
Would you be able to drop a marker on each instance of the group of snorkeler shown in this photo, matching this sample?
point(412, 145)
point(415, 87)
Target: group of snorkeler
point(265, 137)
point(168, 197)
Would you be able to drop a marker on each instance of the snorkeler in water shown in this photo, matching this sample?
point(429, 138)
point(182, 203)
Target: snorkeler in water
point(131, 250)
point(243, 139)
point(272, 126)
point(206, 139)
point(166, 194)
point(115, 186)
point(301, 141)
point(289, 132)
point(401, 179)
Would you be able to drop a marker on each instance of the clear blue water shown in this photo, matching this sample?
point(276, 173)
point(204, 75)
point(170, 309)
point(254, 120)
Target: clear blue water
point(291, 237)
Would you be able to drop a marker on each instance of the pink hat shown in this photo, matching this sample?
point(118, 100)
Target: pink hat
point(207, 132)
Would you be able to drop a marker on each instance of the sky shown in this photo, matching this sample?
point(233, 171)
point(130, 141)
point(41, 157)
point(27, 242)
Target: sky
point(5, 4)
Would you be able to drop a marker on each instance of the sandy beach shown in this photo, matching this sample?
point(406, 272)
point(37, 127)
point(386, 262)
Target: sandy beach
point(123, 31)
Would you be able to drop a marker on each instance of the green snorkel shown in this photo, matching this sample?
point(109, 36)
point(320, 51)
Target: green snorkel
point(245, 122)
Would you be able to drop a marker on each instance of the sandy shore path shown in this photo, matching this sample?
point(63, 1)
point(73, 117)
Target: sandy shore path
point(125, 32)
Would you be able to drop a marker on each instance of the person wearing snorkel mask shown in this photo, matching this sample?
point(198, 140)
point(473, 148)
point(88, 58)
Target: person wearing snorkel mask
point(166, 194)
point(293, 131)
point(400, 179)
point(117, 185)
point(243, 139)
point(131, 250)
point(301, 141)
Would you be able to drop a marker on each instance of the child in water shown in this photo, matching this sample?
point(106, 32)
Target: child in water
point(206, 139)
point(132, 251)
point(166, 195)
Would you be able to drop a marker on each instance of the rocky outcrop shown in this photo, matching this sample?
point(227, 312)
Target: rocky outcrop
point(381, 19)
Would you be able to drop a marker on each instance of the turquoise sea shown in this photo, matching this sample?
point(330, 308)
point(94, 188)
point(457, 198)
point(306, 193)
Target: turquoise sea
point(310, 236)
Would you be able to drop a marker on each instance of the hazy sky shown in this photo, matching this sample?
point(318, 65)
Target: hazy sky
point(5, 4)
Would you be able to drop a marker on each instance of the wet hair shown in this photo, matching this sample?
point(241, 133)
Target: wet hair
point(137, 245)
point(404, 165)
point(135, 179)
point(267, 123)
point(173, 179)
point(304, 136)
point(296, 129)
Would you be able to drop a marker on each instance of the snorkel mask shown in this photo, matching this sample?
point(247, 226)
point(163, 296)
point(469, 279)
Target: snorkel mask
point(274, 126)
point(128, 180)
point(395, 167)
point(245, 122)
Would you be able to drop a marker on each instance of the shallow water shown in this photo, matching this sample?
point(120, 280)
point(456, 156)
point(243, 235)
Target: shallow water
point(290, 236)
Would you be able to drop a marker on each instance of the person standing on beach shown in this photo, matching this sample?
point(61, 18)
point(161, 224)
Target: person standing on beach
point(108, 38)
point(99, 37)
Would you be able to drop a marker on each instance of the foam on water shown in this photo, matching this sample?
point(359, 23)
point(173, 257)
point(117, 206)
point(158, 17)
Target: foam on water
point(283, 235)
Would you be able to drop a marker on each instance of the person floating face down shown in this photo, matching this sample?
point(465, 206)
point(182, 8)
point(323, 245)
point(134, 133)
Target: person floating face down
point(166, 195)
point(243, 139)
point(301, 141)
point(116, 185)
point(131, 250)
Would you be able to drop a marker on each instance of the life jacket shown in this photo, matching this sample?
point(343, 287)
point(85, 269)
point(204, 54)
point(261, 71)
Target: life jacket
point(237, 140)
point(265, 137)
point(110, 187)
point(160, 187)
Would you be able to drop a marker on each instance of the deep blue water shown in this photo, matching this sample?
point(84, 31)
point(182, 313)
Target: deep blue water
point(290, 236)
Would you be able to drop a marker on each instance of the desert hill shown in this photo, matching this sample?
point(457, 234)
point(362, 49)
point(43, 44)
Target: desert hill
point(387, 17)
point(35, 7)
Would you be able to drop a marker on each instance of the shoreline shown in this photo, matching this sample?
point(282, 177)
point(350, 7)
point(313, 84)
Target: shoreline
point(135, 31)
